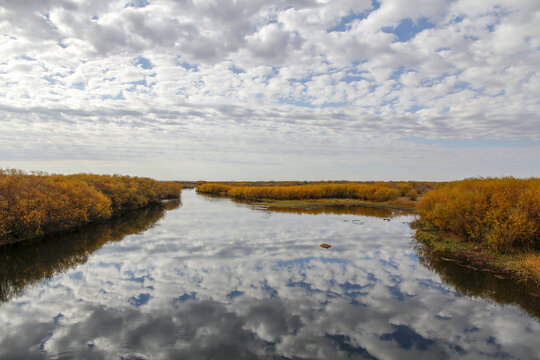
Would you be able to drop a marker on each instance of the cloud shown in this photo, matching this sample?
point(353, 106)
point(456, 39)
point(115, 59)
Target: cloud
point(347, 69)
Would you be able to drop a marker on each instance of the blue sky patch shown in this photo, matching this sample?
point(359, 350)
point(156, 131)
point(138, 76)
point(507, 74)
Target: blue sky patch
point(353, 78)
point(234, 293)
point(137, 3)
point(185, 297)
point(295, 102)
point(186, 65)
point(407, 29)
point(406, 338)
point(139, 82)
point(140, 300)
point(144, 62)
point(413, 109)
point(236, 70)
point(345, 21)
point(78, 85)
point(119, 96)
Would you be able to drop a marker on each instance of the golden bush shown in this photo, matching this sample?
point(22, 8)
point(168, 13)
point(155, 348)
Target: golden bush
point(375, 192)
point(501, 213)
point(36, 203)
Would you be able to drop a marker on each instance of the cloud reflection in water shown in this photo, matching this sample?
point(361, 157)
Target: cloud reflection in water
point(218, 280)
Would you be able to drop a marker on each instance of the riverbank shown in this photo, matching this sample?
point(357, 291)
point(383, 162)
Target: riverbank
point(520, 266)
point(394, 195)
point(404, 204)
point(35, 204)
point(492, 222)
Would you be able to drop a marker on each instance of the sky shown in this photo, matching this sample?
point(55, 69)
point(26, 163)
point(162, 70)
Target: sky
point(271, 90)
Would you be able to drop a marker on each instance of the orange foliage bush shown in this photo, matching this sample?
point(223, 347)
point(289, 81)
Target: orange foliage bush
point(129, 192)
point(216, 189)
point(501, 213)
point(376, 192)
point(34, 204)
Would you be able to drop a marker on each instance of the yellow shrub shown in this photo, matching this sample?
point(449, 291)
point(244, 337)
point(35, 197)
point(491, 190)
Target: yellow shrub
point(34, 204)
point(502, 213)
point(377, 192)
point(212, 188)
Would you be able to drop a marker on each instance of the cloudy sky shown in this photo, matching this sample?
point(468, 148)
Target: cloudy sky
point(253, 89)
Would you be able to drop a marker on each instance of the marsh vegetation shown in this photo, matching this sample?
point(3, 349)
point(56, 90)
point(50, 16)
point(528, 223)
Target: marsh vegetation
point(493, 221)
point(392, 194)
point(34, 204)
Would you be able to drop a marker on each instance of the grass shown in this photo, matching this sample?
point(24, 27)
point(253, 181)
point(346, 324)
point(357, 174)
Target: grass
point(527, 266)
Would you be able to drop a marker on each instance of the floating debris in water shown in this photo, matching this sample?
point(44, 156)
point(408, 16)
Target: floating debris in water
point(326, 246)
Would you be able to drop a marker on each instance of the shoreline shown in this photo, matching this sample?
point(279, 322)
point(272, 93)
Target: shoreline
point(321, 203)
point(443, 245)
point(449, 248)
point(5, 242)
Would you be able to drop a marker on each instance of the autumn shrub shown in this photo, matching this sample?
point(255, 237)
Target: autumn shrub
point(35, 204)
point(404, 188)
point(376, 192)
point(212, 188)
point(127, 192)
point(413, 194)
point(499, 213)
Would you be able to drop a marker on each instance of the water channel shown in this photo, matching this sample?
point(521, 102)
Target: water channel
point(209, 278)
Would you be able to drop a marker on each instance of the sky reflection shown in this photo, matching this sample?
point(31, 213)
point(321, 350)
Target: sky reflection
point(217, 280)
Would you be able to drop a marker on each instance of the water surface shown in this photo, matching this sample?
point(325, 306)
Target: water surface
point(214, 279)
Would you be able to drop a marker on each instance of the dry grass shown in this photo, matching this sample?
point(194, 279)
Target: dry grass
point(531, 263)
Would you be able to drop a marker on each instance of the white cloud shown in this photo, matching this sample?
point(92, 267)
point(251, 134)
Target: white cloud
point(302, 69)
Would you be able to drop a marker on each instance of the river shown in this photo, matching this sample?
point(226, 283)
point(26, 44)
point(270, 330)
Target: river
point(209, 278)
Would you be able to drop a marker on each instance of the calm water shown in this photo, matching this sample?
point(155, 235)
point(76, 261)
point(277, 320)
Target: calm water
point(213, 279)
